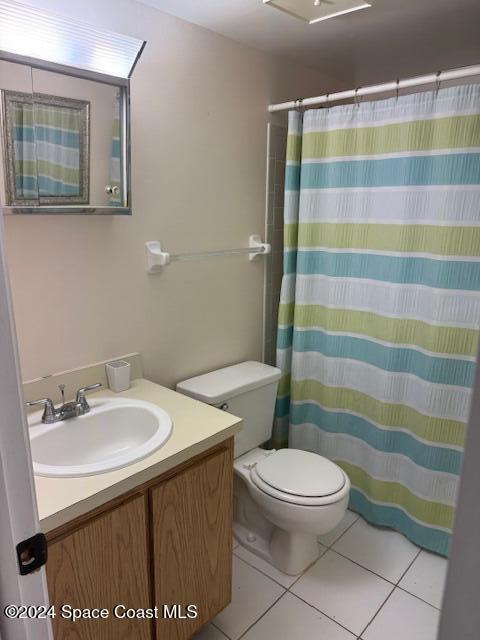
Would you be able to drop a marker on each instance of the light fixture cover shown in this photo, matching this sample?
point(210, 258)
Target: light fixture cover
point(312, 12)
point(33, 33)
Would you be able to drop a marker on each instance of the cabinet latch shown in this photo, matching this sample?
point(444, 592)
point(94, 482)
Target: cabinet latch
point(32, 553)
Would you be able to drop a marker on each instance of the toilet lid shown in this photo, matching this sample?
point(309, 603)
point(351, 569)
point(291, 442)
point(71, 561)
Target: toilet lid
point(301, 473)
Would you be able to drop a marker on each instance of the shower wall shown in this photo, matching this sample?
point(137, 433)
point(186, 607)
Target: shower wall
point(276, 149)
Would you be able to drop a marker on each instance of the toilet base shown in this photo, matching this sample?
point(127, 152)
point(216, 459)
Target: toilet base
point(291, 553)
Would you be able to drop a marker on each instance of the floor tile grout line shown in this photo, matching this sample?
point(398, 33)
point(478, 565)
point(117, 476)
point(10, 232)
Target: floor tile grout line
point(378, 575)
point(263, 614)
point(418, 598)
point(304, 572)
point(378, 610)
point(409, 567)
point(322, 553)
point(409, 592)
point(394, 584)
point(218, 629)
point(262, 572)
point(342, 534)
point(276, 600)
point(397, 586)
point(322, 612)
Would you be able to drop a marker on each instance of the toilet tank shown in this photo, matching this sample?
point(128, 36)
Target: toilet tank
point(248, 390)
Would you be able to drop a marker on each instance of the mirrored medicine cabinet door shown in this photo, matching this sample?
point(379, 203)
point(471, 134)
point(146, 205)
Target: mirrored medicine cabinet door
point(65, 143)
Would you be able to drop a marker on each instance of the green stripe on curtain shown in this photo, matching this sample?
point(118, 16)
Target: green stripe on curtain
point(443, 133)
point(447, 241)
point(392, 416)
point(377, 377)
point(433, 338)
point(52, 169)
point(432, 513)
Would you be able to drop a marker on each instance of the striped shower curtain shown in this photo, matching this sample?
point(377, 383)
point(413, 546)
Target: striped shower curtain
point(380, 301)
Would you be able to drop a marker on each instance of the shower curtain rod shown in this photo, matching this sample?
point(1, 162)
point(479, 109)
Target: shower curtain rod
point(441, 76)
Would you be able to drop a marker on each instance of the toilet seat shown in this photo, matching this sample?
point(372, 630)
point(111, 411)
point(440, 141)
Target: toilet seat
point(299, 477)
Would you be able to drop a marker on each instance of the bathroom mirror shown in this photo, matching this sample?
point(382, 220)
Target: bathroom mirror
point(65, 142)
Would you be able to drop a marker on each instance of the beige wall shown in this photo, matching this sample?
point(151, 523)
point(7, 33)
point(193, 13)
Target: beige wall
point(80, 288)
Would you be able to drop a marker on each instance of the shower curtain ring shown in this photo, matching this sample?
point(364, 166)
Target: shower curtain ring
point(398, 87)
point(298, 104)
point(437, 82)
point(355, 98)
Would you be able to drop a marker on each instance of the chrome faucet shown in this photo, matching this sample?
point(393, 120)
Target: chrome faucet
point(67, 410)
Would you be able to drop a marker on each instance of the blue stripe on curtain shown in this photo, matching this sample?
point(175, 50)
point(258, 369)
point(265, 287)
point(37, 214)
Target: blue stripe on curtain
point(433, 368)
point(443, 459)
point(397, 172)
point(58, 136)
point(442, 274)
point(395, 518)
point(46, 185)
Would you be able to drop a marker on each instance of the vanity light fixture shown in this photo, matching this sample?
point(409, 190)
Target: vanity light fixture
point(313, 11)
point(30, 34)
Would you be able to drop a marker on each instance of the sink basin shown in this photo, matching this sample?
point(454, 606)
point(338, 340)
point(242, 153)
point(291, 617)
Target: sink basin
point(115, 433)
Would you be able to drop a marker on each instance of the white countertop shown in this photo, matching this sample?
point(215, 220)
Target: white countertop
point(196, 428)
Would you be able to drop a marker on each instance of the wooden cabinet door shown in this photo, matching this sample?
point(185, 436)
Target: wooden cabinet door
point(192, 543)
point(102, 564)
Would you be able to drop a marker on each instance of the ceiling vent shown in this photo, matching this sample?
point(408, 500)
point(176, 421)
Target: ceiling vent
point(313, 11)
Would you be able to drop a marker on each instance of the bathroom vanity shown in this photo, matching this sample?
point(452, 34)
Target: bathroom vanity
point(154, 537)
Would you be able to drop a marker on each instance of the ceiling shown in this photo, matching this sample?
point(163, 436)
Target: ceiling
point(394, 38)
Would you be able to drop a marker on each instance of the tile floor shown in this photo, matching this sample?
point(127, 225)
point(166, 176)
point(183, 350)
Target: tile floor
point(368, 584)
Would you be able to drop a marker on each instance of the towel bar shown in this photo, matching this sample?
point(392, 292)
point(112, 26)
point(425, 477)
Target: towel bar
point(156, 258)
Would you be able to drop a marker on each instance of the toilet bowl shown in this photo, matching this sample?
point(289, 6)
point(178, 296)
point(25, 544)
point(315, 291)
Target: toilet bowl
point(285, 499)
point(281, 515)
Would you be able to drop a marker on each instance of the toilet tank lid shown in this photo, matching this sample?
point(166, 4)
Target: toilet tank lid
point(220, 385)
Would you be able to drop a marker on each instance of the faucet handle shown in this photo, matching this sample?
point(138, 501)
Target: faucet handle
point(81, 400)
point(49, 410)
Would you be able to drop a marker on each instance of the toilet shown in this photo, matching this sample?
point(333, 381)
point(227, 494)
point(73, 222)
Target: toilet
point(285, 499)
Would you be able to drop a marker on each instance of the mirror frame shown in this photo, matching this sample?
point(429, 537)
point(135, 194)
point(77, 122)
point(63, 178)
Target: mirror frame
point(9, 99)
point(125, 123)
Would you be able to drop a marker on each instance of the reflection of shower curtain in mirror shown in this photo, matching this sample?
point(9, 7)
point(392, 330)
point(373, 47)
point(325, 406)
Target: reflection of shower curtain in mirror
point(380, 302)
point(24, 152)
point(115, 199)
point(51, 159)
